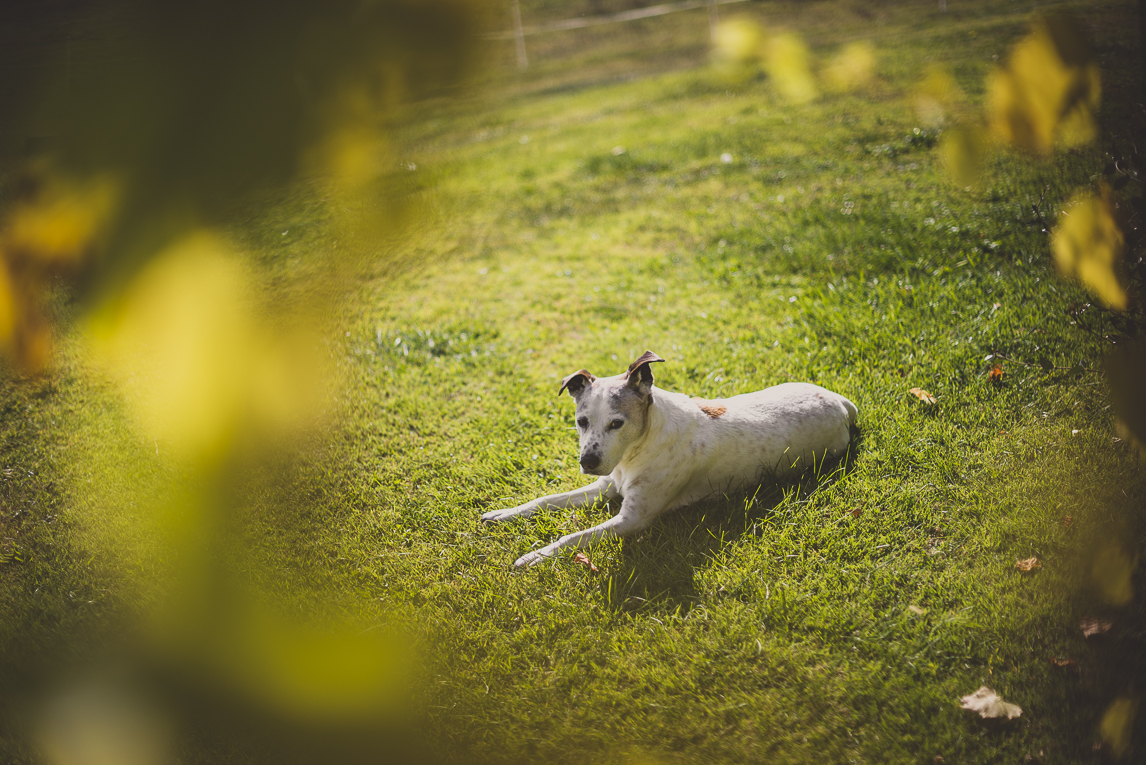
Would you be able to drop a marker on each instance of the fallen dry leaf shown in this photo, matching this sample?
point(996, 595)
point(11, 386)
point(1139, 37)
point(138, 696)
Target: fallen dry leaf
point(1028, 565)
point(855, 513)
point(989, 704)
point(917, 610)
point(996, 373)
point(1092, 627)
point(922, 395)
point(1067, 521)
point(1064, 663)
point(583, 559)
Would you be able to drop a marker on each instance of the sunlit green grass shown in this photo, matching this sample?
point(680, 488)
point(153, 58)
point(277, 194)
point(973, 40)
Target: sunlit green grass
point(836, 620)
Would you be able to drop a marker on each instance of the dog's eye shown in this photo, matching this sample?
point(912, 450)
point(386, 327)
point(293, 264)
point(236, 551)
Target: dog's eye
point(583, 422)
point(616, 424)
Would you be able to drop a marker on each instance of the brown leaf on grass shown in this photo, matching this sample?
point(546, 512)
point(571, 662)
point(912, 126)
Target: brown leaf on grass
point(1063, 663)
point(1028, 565)
point(1067, 521)
point(996, 373)
point(855, 512)
point(922, 395)
point(583, 559)
point(989, 704)
point(1092, 627)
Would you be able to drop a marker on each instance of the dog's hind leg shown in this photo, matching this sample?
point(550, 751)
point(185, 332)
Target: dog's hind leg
point(602, 487)
point(622, 523)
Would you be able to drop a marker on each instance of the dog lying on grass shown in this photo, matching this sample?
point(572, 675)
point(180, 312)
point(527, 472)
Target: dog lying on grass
point(658, 451)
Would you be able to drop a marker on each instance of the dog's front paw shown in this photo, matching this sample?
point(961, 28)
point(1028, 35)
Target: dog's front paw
point(498, 515)
point(521, 511)
point(532, 558)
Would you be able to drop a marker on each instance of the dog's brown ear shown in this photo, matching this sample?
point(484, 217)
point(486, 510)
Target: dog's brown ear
point(640, 376)
point(576, 382)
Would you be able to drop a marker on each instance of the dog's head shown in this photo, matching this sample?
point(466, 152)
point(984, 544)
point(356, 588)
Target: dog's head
point(611, 412)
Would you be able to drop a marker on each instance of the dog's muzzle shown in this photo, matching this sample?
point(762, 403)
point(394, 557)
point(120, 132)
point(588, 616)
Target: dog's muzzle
point(589, 463)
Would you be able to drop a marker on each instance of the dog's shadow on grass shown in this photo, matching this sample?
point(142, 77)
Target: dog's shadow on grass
point(657, 569)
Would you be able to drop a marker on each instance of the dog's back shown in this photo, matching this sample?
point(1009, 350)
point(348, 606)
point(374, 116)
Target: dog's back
point(729, 444)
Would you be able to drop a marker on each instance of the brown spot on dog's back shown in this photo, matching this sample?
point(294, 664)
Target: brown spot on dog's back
point(711, 408)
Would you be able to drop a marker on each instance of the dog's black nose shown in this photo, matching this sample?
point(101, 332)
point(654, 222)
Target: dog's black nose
point(590, 461)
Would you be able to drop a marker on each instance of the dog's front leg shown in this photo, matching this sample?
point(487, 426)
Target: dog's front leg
point(628, 520)
point(602, 487)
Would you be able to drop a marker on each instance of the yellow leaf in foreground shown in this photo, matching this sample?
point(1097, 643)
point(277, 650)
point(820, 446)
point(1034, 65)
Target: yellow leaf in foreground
point(201, 367)
point(1049, 90)
point(963, 149)
point(851, 68)
point(1117, 723)
point(989, 704)
point(1112, 571)
point(937, 97)
point(1088, 243)
point(58, 223)
point(738, 42)
point(788, 65)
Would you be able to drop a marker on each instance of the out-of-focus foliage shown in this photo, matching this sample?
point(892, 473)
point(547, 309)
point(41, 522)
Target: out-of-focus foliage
point(100, 724)
point(50, 230)
point(189, 108)
point(1049, 90)
point(180, 115)
point(1118, 724)
point(1125, 374)
point(1088, 243)
point(743, 47)
point(964, 149)
point(1112, 570)
point(938, 97)
point(851, 68)
point(788, 63)
point(200, 368)
point(739, 44)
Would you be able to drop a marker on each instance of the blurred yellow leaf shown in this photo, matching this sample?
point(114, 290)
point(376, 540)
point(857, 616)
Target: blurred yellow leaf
point(1111, 571)
point(1117, 724)
point(323, 675)
point(789, 65)
point(851, 68)
point(200, 370)
point(52, 226)
point(963, 149)
point(7, 305)
point(58, 222)
point(100, 724)
point(1125, 373)
point(937, 97)
point(1088, 243)
point(739, 42)
point(1049, 90)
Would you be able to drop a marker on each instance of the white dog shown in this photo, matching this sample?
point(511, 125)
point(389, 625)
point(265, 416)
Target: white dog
point(658, 450)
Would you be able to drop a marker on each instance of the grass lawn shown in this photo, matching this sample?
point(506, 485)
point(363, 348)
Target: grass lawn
point(567, 222)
